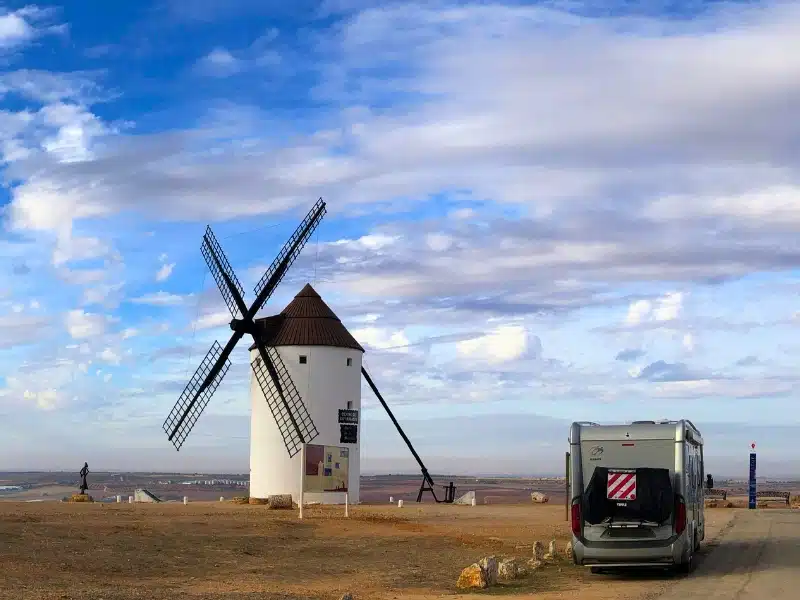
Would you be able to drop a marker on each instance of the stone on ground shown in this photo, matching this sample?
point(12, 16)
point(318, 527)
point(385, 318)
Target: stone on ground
point(534, 564)
point(568, 551)
point(489, 566)
point(472, 577)
point(538, 550)
point(507, 569)
point(551, 551)
point(280, 501)
point(539, 498)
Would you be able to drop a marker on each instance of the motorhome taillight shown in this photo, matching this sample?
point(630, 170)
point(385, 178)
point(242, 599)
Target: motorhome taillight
point(576, 519)
point(680, 516)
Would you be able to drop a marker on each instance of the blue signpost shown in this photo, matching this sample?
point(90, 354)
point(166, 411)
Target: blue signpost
point(752, 495)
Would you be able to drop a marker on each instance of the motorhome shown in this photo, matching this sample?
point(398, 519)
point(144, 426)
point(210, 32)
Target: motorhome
point(636, 494)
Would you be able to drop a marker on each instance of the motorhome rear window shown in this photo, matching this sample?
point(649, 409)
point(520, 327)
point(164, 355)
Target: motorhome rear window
point(642, 495)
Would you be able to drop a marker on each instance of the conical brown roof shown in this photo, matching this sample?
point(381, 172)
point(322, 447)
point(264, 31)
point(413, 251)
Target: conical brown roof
point(306, 321)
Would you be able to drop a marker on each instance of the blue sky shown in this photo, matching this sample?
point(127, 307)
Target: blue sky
point(538, 213)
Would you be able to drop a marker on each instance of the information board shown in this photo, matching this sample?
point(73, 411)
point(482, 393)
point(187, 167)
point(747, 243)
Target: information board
point(326, 468)
point(752, 487)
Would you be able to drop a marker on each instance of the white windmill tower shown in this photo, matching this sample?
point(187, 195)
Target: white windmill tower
point(324, 361)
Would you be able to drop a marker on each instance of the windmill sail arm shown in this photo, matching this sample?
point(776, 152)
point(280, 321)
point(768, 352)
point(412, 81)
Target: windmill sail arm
point(288, 410)
point(270, 280)
point(273, 374)
point(402, 433)
point(227, 282)
point(199, 390)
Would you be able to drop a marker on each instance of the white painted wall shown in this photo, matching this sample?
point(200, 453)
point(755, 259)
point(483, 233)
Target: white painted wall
point(325, 384)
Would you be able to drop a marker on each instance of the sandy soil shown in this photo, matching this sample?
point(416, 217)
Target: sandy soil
point(222, 550)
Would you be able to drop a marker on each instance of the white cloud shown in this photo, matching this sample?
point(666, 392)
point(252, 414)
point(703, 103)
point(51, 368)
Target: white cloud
point(160, 298)
point(75, 130)
point(664, 309)
point(107, 295)
point(24, 25)
point(212, 320)
point(82, 325)
point(382, 339)
point(220, 63)
point(44, 400)
point(688, 342)
point(504, 344)
point(638, 311)
point(439, 242)
point(669, 307)
point(109, 356)
point(164, 272)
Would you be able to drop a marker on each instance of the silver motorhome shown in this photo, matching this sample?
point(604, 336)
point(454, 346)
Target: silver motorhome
point(665, 524)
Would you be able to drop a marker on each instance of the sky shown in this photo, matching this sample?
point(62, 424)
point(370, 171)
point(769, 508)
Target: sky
point(538, 213)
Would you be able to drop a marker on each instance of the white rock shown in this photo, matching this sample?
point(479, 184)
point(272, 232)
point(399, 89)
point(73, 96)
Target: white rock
point(539, 498)
point(489, 566)
point(568, 550)
point(551, 550)
point(538, 550)
point(534, 564)
point(507, 569)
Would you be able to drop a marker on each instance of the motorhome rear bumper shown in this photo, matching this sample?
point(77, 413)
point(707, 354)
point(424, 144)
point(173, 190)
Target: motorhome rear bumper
point(616, 554)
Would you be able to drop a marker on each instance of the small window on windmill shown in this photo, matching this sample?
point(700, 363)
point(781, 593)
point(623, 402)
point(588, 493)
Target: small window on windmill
point(349, 364)
point(349, 405)
point(303, 359)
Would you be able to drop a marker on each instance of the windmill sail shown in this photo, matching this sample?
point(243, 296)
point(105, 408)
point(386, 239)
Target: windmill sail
point(196, 394)
point(227, 282)
point(269, 281)
point(283, 399)
point(290, 413)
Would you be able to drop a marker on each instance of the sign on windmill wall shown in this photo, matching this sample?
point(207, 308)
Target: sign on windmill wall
point(348, 434)
point(348, 415)
point(348, 426)
point(326, 469)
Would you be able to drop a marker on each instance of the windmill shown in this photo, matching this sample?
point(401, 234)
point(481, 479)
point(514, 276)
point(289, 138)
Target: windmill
point(288, 409)
point(291, 415)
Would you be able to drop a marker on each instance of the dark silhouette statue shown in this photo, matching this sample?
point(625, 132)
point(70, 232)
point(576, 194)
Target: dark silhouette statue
point(709, 482)
point(84, 472)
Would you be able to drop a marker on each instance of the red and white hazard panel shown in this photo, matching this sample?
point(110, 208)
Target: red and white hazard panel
point(621, 485)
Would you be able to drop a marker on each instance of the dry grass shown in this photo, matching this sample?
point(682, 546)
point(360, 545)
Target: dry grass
point(230, 551)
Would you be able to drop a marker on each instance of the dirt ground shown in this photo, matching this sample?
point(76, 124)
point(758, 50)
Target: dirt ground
point(222, 550)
